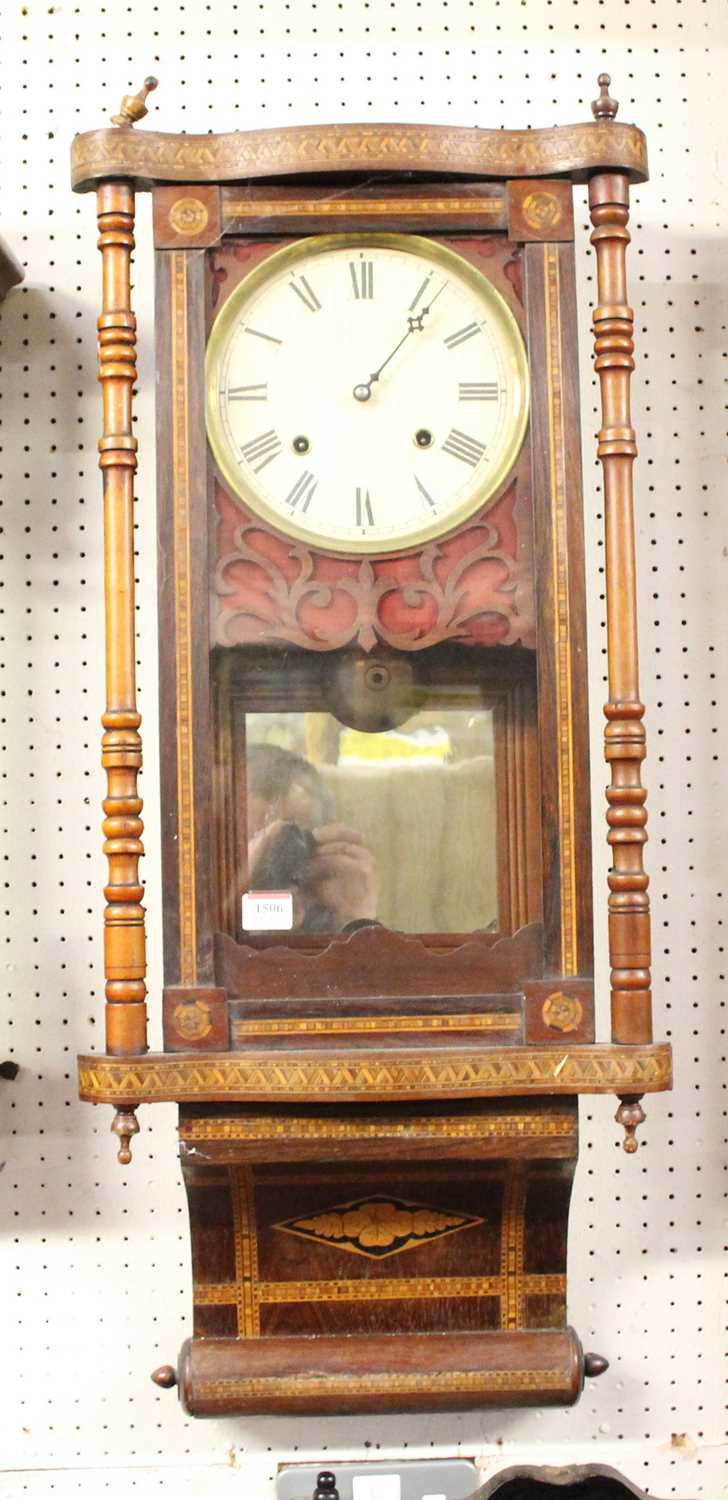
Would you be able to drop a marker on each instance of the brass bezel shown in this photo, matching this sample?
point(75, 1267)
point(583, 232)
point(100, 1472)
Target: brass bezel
point(272, 266)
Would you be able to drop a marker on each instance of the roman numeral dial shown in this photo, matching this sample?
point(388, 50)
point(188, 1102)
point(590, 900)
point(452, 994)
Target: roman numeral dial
point(461, 335)
point(365, 393)
point(464, 447)
point(362, 277)
point(303, 289)
point(247, 392)
point(478, 390)
point(364, 512)
point(302, 492)
point(261, 451)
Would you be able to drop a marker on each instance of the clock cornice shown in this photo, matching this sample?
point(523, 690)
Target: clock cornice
point(150, 157)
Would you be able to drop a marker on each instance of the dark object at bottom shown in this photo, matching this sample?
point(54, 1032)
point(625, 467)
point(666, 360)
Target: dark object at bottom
point(589, 1483)
point(326, 1486)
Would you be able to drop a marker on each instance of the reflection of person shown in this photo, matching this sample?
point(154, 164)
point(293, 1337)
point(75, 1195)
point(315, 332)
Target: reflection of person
point(337, 888)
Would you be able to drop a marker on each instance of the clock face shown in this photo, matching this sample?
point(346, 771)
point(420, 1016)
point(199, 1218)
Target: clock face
point(365, 393)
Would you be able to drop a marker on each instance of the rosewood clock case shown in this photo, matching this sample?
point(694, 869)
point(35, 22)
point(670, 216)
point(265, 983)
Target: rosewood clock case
point(378, 1127)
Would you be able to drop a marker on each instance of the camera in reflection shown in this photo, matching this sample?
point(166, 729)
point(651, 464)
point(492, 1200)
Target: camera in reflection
point(285, 862)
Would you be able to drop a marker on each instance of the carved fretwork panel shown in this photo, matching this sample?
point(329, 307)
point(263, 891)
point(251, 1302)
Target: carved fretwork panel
point(474, 587)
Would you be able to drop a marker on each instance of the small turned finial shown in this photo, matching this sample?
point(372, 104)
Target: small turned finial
point(326, 1486)
point(594, 1365)
point(134, 106)
point(124, 1125)
point(630, 1114)
point(165, 1376)
point(605, 107)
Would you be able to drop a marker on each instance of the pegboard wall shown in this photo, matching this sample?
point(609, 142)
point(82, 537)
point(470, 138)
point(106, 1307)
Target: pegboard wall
point(96, 1273)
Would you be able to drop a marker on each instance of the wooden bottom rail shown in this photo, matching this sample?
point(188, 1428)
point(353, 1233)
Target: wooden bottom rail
point(450, 1371)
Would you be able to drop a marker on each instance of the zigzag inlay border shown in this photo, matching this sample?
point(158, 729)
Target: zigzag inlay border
point(149, 156)
point(255, 1077)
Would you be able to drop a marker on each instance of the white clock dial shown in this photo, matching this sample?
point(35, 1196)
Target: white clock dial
point(366, 392)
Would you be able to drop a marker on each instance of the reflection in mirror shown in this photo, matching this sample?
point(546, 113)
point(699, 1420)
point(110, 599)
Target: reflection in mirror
point(399, 788)
point(396, 826)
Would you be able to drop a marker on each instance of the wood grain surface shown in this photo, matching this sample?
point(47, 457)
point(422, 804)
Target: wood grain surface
point(147, 157)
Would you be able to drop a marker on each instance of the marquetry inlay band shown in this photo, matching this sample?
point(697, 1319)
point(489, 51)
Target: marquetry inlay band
point(361, 208)
point(148, 156)
point(585, 1068)
point(183, 621)
point(247, 1286)
point(513, 1246)
point(562, 654)
point(437, 1127)
point(341, 1025)
point(385, 1289)
point(474, 1382)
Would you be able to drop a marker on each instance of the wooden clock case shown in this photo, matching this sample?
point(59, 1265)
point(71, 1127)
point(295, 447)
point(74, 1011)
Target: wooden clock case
point(378, 1131)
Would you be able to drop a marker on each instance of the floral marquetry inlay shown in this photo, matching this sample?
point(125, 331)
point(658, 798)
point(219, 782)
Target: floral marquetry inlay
point(379, 1227)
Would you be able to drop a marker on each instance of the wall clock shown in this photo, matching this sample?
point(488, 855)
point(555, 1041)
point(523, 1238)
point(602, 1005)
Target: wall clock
point(378, 1006)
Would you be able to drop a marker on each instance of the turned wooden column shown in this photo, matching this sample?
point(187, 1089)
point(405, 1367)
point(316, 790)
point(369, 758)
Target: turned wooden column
point(624, 739)
point(124, 934)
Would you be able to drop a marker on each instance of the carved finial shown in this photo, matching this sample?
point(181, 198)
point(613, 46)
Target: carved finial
point(630, 1114)
point(166, 1376)
point(605, 107)
point(134, 106)
point(594, 1365)
point(124, 1125)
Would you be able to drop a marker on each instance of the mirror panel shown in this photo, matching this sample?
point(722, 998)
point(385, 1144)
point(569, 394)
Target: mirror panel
point(404, 819)
point(386, 789)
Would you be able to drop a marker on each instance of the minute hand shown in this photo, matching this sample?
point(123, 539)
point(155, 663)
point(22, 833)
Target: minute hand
point(364, 391)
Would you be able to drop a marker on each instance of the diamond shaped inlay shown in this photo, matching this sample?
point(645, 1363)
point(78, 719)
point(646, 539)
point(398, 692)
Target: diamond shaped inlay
point(378, 1226)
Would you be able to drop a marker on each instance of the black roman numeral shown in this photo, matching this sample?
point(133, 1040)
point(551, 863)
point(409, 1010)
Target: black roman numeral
point(305, 291)
point(362, 277)
point(247, 392)
point(262, 450)
point(478, 390)
point(462, 334)
point(419, 293)
point(424, 493)
point(302, 491)
point(364, 512)
point(461, 446)
point(258, 334)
